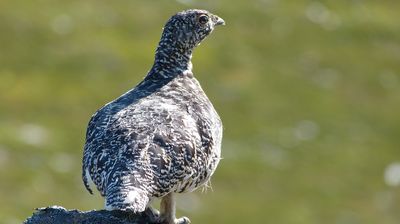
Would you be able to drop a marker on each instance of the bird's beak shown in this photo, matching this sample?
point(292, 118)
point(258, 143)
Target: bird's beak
point(218, 21)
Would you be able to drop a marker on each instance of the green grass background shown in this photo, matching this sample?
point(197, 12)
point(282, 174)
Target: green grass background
point(309, 93)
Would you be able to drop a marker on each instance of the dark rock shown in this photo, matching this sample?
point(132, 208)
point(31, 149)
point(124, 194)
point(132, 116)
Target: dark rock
point(60, 215)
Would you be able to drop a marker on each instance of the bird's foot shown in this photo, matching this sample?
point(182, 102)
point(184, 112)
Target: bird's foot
point(182, 220)
point(155, 217)
point(153, 214)
point(167, 208)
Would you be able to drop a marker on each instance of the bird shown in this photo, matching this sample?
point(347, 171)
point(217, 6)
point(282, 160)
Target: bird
point(161, 137)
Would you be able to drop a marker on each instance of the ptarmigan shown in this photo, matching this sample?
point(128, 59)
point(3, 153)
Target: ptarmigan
point(161, 137)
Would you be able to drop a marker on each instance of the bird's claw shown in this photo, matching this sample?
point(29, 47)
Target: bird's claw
point(182, 220)
point(161, 220)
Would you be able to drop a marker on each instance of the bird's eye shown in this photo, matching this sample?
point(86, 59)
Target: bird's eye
point(203, 19)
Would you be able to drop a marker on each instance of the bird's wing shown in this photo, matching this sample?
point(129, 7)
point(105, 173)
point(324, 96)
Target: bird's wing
point(153, 137)
point(95, 137)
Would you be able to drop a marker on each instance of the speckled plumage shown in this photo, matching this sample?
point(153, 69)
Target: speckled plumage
point(161, 137)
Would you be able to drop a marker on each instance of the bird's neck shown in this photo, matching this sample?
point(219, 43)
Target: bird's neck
point(171, 60)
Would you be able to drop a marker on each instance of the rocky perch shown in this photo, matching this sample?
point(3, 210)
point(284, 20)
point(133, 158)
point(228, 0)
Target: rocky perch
point(60, 215)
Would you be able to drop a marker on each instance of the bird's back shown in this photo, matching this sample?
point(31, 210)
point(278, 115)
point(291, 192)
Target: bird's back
point(163, 136)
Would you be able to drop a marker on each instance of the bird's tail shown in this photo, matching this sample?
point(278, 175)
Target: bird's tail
point(130, 199)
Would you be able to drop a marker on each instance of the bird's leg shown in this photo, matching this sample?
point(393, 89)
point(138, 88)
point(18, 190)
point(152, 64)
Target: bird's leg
point(167, 210)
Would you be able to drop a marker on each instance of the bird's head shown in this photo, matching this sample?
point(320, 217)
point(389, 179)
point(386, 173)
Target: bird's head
point(188, 28)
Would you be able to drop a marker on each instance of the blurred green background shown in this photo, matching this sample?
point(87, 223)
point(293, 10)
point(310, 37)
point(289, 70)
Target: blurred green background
point(309, 93)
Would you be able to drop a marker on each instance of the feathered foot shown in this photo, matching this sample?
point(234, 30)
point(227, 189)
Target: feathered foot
point(167, 215)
